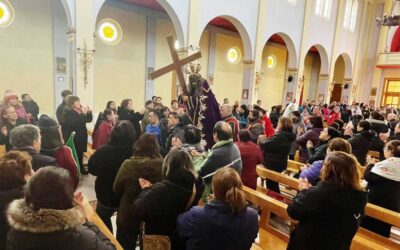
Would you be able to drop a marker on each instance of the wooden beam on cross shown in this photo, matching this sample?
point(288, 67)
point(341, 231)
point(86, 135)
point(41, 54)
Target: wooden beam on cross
point(176, 65)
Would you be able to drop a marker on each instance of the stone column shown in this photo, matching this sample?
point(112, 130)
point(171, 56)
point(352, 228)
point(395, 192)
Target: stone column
point(324, 92)
point(346, 92)
point(248, 80)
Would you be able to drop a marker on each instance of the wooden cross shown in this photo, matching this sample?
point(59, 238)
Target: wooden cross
point(176, 65)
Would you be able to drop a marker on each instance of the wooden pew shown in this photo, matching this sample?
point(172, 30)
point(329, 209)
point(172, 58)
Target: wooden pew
point(364, 239)
point(295, 166)
point(2, 150)
point(95, 219)
point(270, 238)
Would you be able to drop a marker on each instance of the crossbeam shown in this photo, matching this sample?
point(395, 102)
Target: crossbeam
point(176, 65)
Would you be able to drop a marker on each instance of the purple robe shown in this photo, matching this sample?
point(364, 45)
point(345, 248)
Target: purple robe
point(204, 113)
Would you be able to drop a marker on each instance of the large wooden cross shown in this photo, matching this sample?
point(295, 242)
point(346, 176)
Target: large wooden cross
point(176, 65)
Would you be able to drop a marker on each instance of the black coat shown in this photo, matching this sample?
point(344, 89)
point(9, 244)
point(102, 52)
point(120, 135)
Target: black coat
point(160, 205)
point(317, 154)
point(8, 193)
point(276, 150)
point(274, 117)
point(384, 193)
point(360, 145)
point(328, 215)
point(32, 108)
point(52, 229)
point(60, 112)
point(104, 164)
point(75, 122)
point(39, 160)
point(133, 117)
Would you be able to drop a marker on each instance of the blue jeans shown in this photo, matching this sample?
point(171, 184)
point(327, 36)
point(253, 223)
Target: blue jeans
point(105, 214)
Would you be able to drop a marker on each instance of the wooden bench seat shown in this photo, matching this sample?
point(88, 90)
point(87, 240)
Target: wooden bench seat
point(364, 239)
point(2, 150)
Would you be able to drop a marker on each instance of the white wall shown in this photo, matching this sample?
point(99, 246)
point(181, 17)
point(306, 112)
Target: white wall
point(26, 53)
point(288, 23)
point(245, 14)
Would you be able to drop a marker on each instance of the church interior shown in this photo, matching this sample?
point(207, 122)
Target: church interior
point(280, 52)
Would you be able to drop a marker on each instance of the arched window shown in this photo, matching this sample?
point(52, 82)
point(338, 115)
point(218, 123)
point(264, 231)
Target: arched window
point(323, 8)
point(350, 15)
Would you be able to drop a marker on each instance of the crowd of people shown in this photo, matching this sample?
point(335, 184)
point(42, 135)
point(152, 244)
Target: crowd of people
point(153, 168)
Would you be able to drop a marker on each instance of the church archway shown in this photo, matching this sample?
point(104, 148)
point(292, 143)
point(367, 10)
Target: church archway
point(225, 46)
point(144, 26)
point(278, 55)
point(316, 69)
point(341, 78)
point(33, 52)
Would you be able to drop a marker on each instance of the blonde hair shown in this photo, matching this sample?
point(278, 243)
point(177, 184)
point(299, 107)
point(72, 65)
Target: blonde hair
point(228, 188)
point(342, 169)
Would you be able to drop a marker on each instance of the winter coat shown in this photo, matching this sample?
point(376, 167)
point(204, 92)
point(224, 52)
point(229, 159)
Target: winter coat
point(32, 108)
point(251, 156)
point(312, 173)
point(76, 122)
point(216, 227)
point(38, 160)
point(328, 216)
point(102, 134)
point(52, 229)
point(384, 190)
point(133, 117)
point(60, 112)
point(276, 150)
point(160, 205)
point(156, 131)
point(346, 114)
point(274, 117)
point(10, 189)
point(222, 153)
point(360, 145)
point(333, 116)
point(5, 140)
point(311, 135)
point(65, 159)
point(378, 126)
point(105, 163)
point(126, 184)
point(317, 154)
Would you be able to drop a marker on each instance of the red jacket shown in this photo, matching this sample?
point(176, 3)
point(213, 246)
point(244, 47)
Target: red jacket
point(333, 116)
point(251, 156)
point(102, 134)
point(268, 128)
point(65, 160)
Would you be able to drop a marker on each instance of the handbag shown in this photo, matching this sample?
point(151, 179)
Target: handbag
point(160, 242)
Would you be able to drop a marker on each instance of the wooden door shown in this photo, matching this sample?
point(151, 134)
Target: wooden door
point(336, 94)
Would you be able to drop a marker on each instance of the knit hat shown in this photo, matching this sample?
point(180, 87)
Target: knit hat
point(47, 123)
point(9, 94)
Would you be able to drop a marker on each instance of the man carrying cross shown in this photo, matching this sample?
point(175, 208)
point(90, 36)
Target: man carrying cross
point(202, 107)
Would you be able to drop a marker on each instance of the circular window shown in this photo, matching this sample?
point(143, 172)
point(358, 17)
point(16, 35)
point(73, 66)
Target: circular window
point(6, 13)
point(271, 62)
point(234, 55)
point(110, 31)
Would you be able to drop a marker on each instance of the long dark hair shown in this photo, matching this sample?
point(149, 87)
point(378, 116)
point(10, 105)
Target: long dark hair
point(123, 134)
